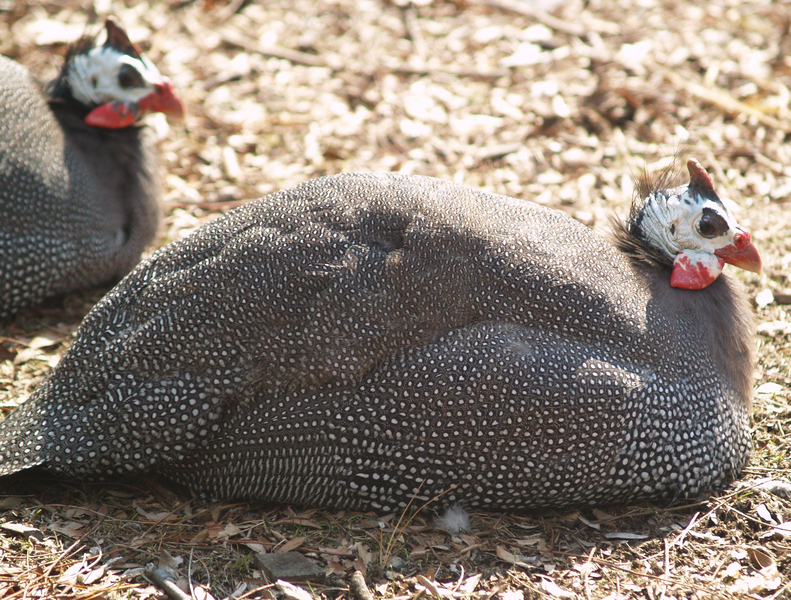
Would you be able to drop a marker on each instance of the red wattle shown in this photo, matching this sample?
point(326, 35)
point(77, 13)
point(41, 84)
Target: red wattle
point(113, 115)
point(692, 275)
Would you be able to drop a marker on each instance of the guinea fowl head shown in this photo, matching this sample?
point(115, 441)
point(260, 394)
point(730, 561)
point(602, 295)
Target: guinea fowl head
point(116, 81)
point(690, 228)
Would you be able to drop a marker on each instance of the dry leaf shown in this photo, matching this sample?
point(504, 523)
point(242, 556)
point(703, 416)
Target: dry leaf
point(625, 535)
point(45, 340)
point(230, 531)
point(364, 553)
point(429, 585)
point(291, 544)
point(28, 532)
point(67, 529)
point(10, 502)
point(303, 522)
point(336, 567)
point(70, 574)
point(256, 547)
point(783, 530)
point(553, 589)
point(360, 566)
point(469, 585)
point(201, 593)
point(764, 514)
point(200, 537)
point(28, 354)
point(760, 558)
point(512, 558)
point(601, 515)
point(93, 576)
point(151, 516)
point(293, 592)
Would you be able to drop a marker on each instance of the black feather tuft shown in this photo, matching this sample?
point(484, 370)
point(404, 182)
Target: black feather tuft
point(628, 236)
point(59, 89)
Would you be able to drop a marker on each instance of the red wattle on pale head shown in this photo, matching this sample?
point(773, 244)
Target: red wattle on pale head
point(113, 115)
point(695, 270)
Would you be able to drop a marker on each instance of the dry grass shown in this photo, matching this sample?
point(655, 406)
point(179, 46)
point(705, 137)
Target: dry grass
point(563, 109)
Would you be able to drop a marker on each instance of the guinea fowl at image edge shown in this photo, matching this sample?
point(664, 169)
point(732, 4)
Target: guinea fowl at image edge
point(363, 340)
point(78, 191)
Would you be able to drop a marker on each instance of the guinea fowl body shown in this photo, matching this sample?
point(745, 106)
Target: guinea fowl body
point(361, 340)
point(78, 201)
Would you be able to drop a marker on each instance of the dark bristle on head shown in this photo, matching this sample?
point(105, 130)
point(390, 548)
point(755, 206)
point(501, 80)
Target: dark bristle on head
point(117, 38)
point(627, 235)
point(58, 89)
point(700, 181)
point(650, 183)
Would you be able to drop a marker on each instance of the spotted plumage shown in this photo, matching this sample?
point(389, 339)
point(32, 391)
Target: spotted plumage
point(78, 196)
point(362, 340)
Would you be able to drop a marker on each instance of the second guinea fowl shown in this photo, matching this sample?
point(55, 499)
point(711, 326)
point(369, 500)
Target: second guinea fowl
point(78, 192)
point(365, 340)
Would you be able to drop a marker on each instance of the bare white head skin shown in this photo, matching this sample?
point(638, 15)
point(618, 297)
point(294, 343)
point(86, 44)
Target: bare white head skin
point(120, 82)
point(104, 74)
point(692, 227)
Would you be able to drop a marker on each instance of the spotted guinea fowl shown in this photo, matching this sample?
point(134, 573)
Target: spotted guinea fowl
point(78, 193)
point(363, 339)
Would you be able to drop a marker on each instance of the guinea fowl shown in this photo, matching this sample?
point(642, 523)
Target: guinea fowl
point(362, 340)
point(78, 191)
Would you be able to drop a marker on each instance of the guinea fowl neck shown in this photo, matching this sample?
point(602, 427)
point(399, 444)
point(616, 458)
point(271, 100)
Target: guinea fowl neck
point(719, 313)
point(123, 165)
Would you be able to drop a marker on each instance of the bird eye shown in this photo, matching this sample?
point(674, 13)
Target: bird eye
point(128, 77)
point(711, 224)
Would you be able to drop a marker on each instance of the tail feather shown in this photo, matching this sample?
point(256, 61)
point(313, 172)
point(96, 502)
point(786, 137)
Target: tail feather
point(22, 440)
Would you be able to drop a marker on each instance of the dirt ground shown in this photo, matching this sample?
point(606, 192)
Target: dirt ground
point(564, 108)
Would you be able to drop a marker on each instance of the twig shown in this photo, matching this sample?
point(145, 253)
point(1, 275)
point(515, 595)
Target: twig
point(721, 99)
point(612, 565)
point(166, 585)
point(445, 69)
point(236, 38)
point(393, 537)
point(358, 587)
point(526, 9)
point(71, 548)
point(428, 584)
point(667, 568)
point(228, 11)
point(461, 578)
point(585, 583)
point(779, 592)
point(256, 590)
point(680, 537)
point(418, 43)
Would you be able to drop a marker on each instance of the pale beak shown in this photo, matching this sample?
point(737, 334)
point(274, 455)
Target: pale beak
point(119, 114)
point(163, 99)
point(742, 253)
